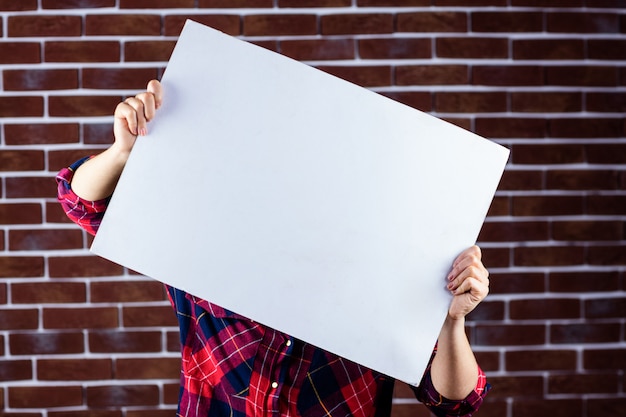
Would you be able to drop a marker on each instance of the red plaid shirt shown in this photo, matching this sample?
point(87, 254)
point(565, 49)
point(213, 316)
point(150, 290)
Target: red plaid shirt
point(233, 366)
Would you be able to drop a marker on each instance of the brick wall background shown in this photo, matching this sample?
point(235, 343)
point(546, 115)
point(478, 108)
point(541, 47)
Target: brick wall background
point(82, 336)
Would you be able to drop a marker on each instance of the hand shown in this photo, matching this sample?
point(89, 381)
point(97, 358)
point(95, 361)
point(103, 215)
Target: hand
point(468, 281)
point(131, 116)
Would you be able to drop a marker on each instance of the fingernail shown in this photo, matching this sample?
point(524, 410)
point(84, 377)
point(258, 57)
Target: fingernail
point(143, 131)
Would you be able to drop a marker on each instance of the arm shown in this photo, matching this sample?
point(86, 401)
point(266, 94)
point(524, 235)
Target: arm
point(96, 178)
point(454, 369)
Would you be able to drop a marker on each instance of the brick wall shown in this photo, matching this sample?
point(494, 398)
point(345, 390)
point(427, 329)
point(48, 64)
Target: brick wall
point(82, 336)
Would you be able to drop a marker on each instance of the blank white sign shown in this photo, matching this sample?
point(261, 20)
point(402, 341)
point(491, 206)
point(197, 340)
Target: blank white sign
point(302, 201)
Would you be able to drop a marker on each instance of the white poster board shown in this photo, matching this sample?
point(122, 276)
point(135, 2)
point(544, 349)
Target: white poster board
point(302, 201)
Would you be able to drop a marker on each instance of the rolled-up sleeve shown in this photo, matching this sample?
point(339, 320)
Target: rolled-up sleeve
point(86, 214)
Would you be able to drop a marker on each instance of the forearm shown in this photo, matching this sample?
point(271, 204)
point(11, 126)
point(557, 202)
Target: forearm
point(96, 178)
point(454, 369)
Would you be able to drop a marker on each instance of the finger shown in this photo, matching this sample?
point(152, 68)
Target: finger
point(470, 256)
point(140, 104)
point(128, 115)
point(155, 88)
point(475, 288)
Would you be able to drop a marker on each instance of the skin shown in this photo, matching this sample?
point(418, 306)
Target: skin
point(454, 369)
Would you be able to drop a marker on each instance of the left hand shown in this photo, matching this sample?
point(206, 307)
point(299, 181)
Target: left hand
point(468, 281)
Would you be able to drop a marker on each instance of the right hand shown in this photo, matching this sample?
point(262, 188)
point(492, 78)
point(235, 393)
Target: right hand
point(131, 116)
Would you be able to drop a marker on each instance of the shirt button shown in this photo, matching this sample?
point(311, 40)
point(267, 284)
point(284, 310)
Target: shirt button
point(274, 384)
point(288, 343)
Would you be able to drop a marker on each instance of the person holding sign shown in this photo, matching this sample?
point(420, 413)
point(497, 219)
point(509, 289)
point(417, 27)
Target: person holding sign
point(233, 366)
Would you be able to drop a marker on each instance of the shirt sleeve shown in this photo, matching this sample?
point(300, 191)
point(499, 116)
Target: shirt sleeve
point(444, 407)
point(86, 214)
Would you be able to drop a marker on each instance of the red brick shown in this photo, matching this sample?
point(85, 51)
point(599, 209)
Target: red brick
point(76, 4)
point(545, 154)
point(462, 102)
point(122, 396)
point(16, 370)
point(579, 384)
point(23, 319)
point(507, 75)
point(55, 213)
point(74, 369)
point(20, 53)
point(509, 335)
point(581, 75)
point(18, 5)
point(604, 358)
point(418, 100)
point(98, 133)
point(514, 231)
point(607, 255)
point(146, 51)
point(48, 292)
point(62, 158)
point(582, 180)
point(124, 342)
point(21, 160)
point(549, 256)
point(511, 127)
point(229, 24)
point(583, 282)
point(431, 74)
point(496, 257)
point(24, 80)
point(279, 25)
point(586, 127)
point(87, 413)
point(517, 386)
point(123, 25)
point(552, 102)
point(318, 49)
point(602, 308)
point(236, 3)
point(33, 26)
point(395, 48)
point(387, 3)
point(589, 230)
point(587, 22)
point(21, 266)
point(45, 239)
point(155, 4)
point(28, 106)
point(585, 333)
point(606, 102)
point(118, 78)
point(500, 206)
point(80, 318)
point(537, 309)
point(487, 310)
point(44, 397)
point(364, 23)
point(126, 291)
point(147, 368)
point(55, 343)
point(521, 180)
point(606, 204)
point(81, 266)
point(606, 153)
point(600, 407)
point(41, 133)
point(547, 205)
point(541, 360)
point(549, 49)
point(366, 76)
point(516, 283)
point(528, 407)
point(499, 21)
point(30, 187)
point(470, 47)
point(81, 106)
point(314, 3)
point(431, 22)
point(82, 51)
point(149, 316)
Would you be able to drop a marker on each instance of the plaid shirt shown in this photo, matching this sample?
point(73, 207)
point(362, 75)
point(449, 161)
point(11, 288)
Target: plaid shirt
point(233, 366)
